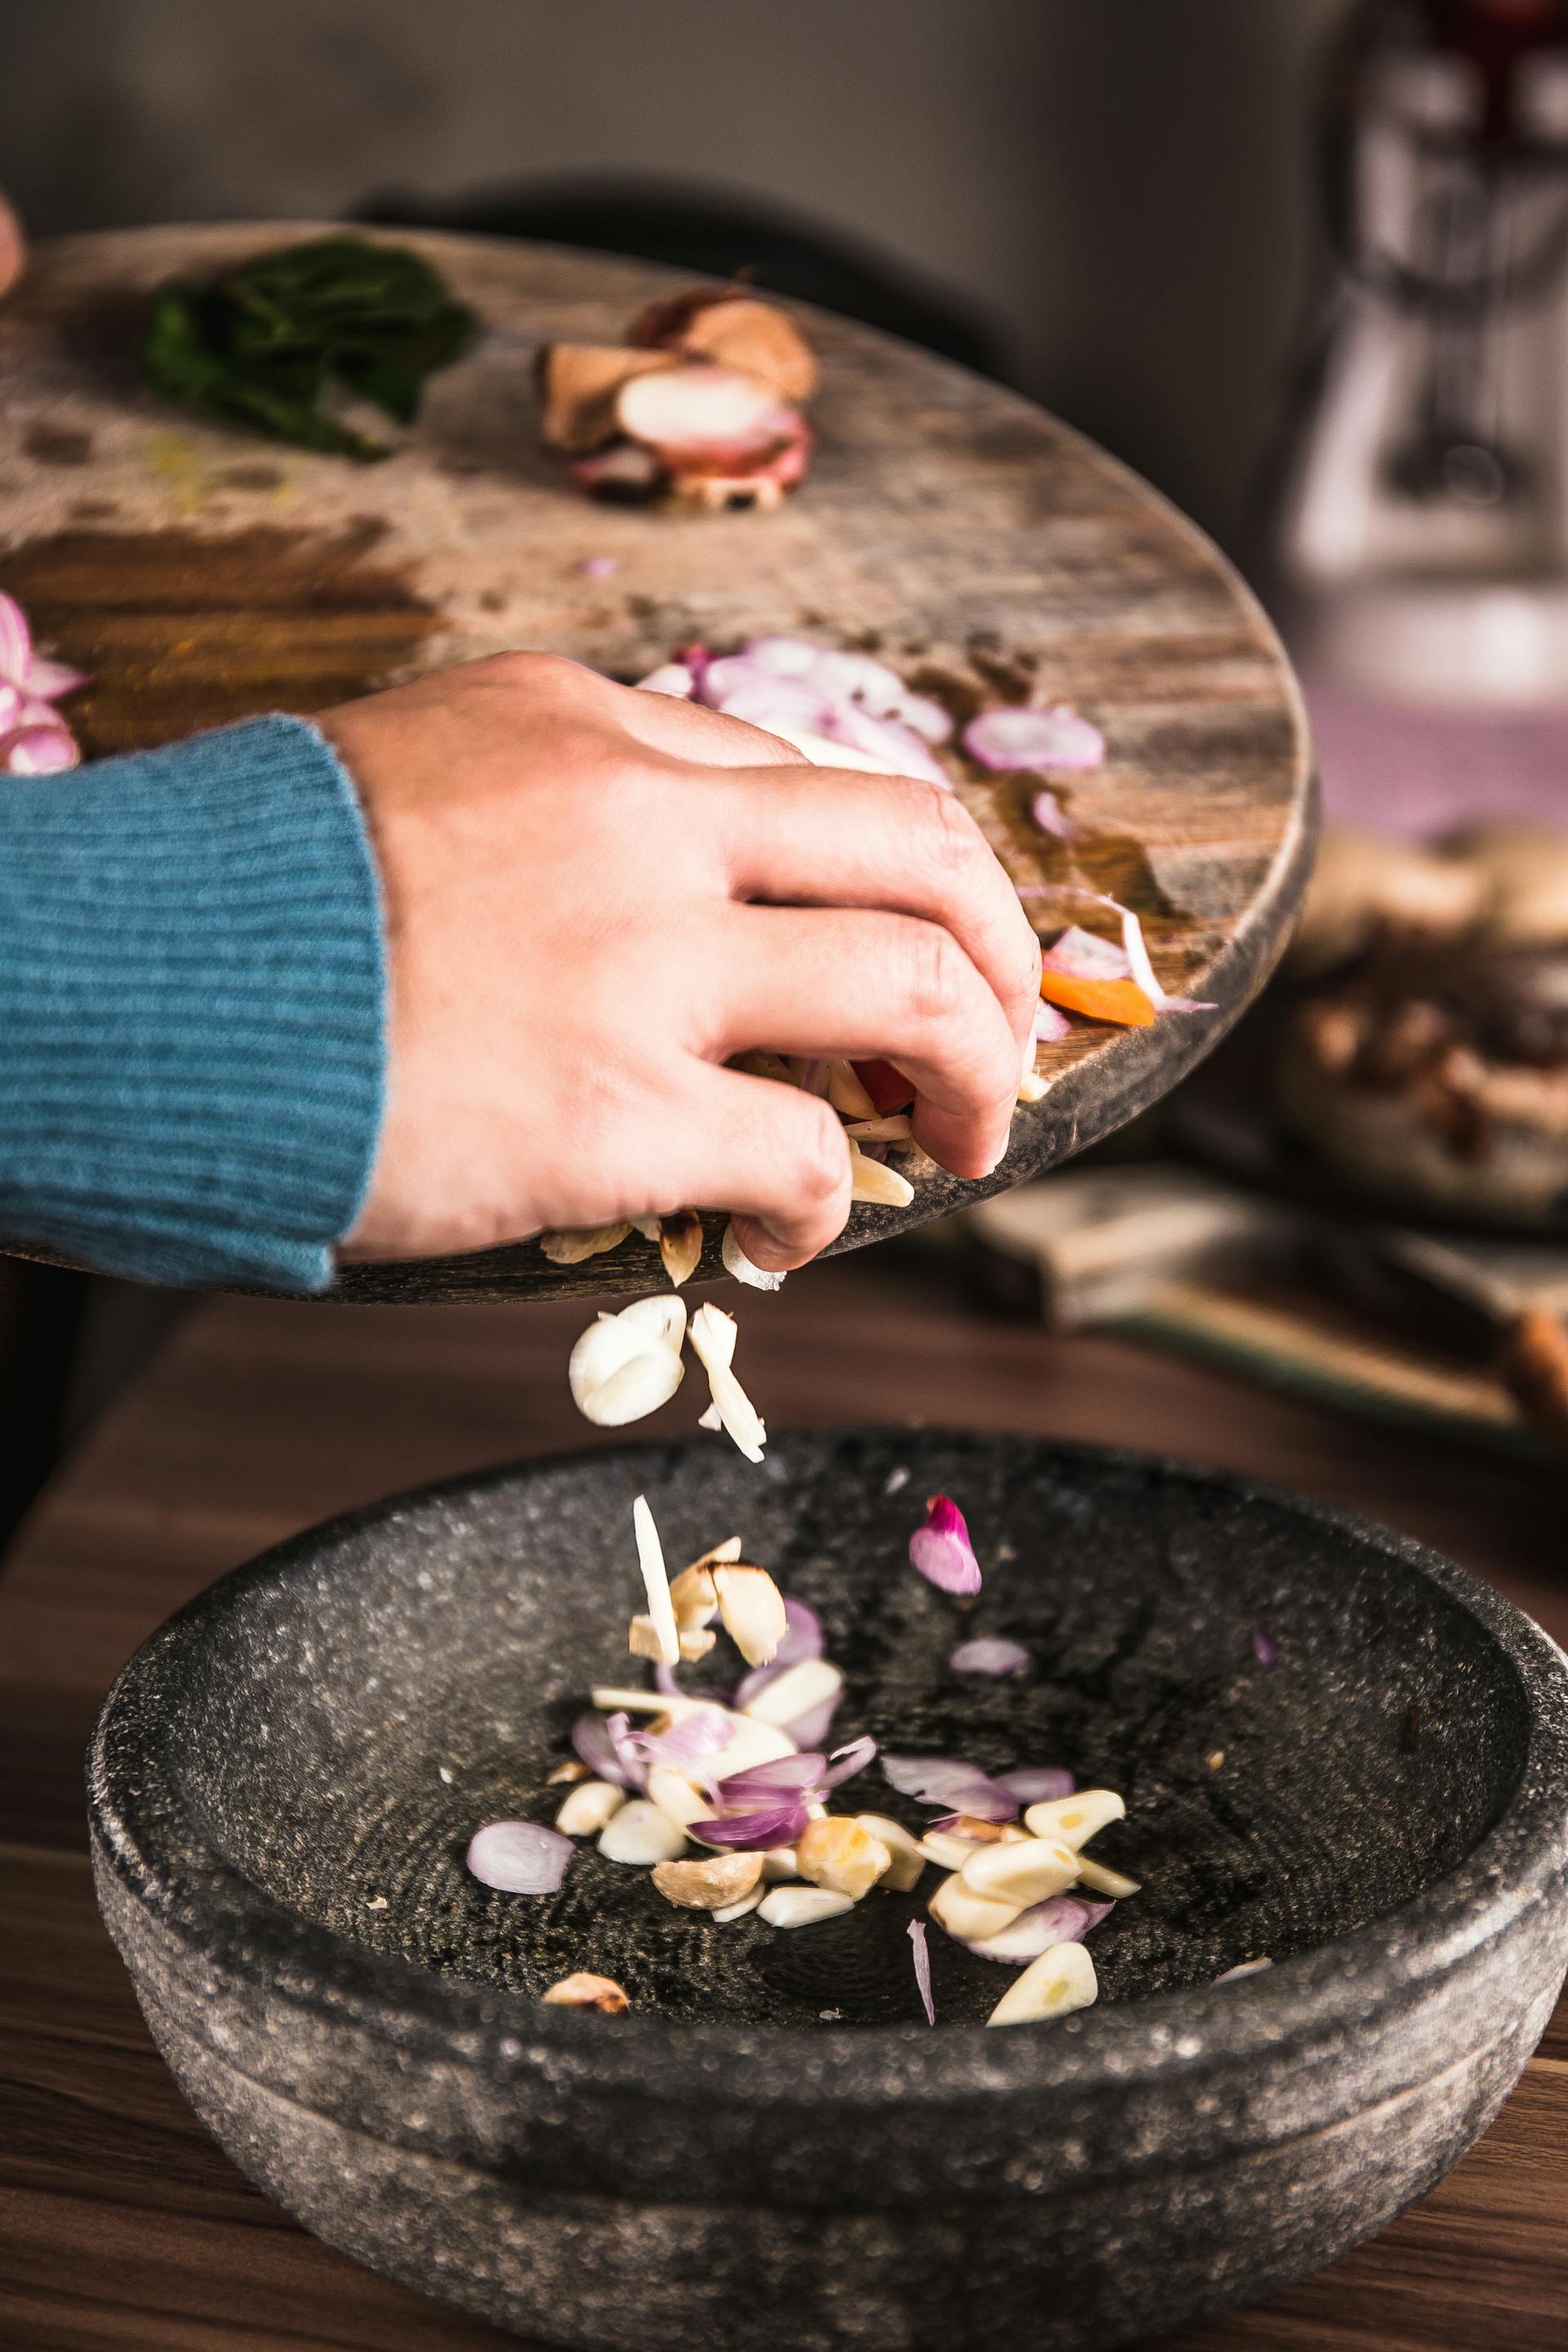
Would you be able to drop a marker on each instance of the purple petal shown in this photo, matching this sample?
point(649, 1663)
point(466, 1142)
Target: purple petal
point(38, 750)
point(802, 1640)
point(923, 1968)
point(847, 1761)
point(1050, 1022)
point(15, 642)
point(1037, 1784)
point(942, 1550)
point(520, 1857)
point(811, 1730)
point(774, 1825)
point(884, 739)
point(1084, 955)
point(602, 1743)
point(990, 1654)
point(689, 1739)
point(765, 1783)
point(1023, 737)
point(951, 1785)
point(1060, 1919)
point(1047, 813)
point(1265, 1649)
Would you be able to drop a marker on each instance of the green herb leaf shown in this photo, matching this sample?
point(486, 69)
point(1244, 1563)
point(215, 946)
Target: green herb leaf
point(262, 343)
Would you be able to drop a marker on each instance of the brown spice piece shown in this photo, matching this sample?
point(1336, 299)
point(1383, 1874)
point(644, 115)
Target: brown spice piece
point(1533, 1365)
point(577, 387)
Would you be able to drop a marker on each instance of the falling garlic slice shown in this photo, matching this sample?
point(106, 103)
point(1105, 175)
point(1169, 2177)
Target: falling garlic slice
point(713, 1337)
point(626, 1365)
point(752, 1609)
point(660, 1609)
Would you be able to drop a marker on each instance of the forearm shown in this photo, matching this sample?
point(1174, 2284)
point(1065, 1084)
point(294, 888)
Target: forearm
point(192, 1010)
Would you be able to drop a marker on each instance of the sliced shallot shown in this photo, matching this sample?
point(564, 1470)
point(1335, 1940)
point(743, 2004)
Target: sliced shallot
point(520, 1857)
point(990, 1654)
point(940, 1549)
point(1022, 736)
point(923, 1968)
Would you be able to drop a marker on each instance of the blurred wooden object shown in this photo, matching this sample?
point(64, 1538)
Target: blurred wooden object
point(122, 2229)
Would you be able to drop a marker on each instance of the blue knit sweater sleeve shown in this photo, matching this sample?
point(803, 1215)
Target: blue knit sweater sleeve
point(192, 1009)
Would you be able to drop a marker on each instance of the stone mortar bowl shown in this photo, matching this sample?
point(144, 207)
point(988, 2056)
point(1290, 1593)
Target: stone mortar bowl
point(284, 1779)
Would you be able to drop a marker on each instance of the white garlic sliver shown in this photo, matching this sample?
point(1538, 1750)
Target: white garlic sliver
point(625, 1366)
point(655, 1583)
point(1061, 1980)
point(802, 1906)
point(796, 1692)
point(589, 1806)
point(640, 1834)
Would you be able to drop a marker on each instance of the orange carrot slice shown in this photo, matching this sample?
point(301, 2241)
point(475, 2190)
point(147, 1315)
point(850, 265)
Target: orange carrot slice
point(1103, 1000)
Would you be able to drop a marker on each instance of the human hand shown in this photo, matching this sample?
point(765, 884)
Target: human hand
point(594, 897)
point(13, 248)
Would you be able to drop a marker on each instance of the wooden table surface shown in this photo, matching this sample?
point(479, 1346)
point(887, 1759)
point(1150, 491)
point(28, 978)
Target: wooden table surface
point(122, 2229)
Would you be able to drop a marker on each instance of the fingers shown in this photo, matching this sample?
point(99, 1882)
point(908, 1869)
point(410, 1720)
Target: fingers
point(776, 1158)
point(838, 983)
point(826, 837)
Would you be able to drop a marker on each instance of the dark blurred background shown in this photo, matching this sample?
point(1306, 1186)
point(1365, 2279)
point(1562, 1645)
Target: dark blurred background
point(1301, 262)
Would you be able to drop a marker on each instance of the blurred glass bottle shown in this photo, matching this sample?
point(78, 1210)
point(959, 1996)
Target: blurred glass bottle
point(1421, 546)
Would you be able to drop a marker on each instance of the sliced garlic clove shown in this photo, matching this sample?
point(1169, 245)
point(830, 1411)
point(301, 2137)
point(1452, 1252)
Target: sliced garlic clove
point(736, 1262)
point(1105, 1881)
point(738, 1910)
point(711, 1418)
point(696, 1641)
point(1061, 1980)
point(710, 1886)
point(678, 1798)
point(680, 1244)
point(845, 1093)
point(749, 1743)
point(843, 1854)
point(650, 1560)
point(751, 1610)
point(693, 1596)
point(589, 1808)
point(1020, 1872)
point(894, 1127)
point(779, 1863)
point(731, 1549)
point(589, 1240)
point(713, 1337)
point(571, 1770)
point(1073, 1820)
point(796, 1692)
point(802, 1906)
point(941, 1846)
point(610, 1699)
point(967, 1914)
point(626, 1365)
point(873, 1179)
point(905, 1860)
point(641, 1834)
point(585, 1992)
point(642, 1639)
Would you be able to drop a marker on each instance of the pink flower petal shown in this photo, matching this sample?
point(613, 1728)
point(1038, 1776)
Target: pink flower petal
point(802, 1640)
point(1037, 1784)
point(15, 642)
point(942, 1550)
point(38, 751)
point(923, 1968)
point(50, 679)
point(990, 1654)
point(883, 739)
point(1047, 812)
point(1060, 1919)
point(950, 1784)
point(771, 1825)
point(846, 1762)
point(1050, 1022)
point(1020, 736)
point(520, 1857)
point(780, 1775)
point(1084, 955)
point(690, 1738)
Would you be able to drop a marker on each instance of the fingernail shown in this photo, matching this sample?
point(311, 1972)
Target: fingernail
point(764, 1248)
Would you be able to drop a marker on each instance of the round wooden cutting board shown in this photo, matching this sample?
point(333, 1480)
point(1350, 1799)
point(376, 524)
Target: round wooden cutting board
point(202, 573)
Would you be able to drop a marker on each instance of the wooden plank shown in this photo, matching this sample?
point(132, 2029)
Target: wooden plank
point(201, 574)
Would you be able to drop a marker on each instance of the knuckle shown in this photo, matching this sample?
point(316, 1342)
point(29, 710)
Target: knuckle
point(934, 975)
point(956, 842)
point(823, 1158)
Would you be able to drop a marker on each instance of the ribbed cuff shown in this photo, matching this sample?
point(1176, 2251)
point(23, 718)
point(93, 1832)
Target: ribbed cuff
point(192, 1009)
